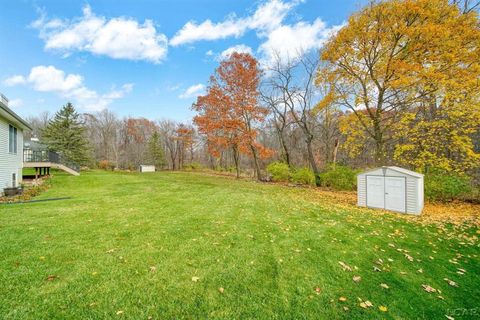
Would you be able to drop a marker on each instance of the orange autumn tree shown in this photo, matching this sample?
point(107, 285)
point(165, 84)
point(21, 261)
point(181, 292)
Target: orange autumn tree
point(229, 113)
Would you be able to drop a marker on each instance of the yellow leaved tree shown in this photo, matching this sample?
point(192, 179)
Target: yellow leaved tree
point(409, 71)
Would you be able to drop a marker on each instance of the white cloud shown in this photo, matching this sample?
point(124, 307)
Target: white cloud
point(267, 16)
point(240, 48)
point(14, 80)
point(49, 78)
point(207, 30)
point(289, 42)
point(119, 38)
point(192, 91)
point(71, 86)
point(209, 53)
point(15, 103)
point(271, 14)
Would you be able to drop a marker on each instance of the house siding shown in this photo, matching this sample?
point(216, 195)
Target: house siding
point(10, 163)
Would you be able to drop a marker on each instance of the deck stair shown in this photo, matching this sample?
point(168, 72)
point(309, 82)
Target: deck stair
point(45, 159)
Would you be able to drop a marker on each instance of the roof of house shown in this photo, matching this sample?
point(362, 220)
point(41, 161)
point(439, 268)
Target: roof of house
point(397, 169)
point(8, 114)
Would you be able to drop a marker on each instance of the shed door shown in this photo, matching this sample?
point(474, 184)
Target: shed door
point(395, 193)
point(375, 192)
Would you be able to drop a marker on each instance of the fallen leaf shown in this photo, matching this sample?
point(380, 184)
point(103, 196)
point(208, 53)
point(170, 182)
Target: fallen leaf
point(384, 286)
point(318, 290)
point(376, 269)
point(383, 308)
point(342, 299)
point(195, 279)
point(428, 288)
point(51, 277)
point(366, 304)
point(357, 278)
point(119, 312)
point(409, 257)
point(153, 269)
point(221, 290)
point(450, 282)
point(345, 267)
point(449, 317)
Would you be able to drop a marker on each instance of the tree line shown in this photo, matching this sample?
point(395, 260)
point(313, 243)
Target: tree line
point(397, 85)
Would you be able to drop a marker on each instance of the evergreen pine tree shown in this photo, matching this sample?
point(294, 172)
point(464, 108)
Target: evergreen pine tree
point(155, 151)
point(65, 134)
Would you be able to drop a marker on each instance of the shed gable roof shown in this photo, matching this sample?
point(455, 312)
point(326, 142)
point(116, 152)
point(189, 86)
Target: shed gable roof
point(397, 169)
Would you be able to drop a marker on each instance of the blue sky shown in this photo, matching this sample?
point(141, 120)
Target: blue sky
point(145, 58)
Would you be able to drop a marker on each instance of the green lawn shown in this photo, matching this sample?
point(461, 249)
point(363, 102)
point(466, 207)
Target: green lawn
point(132, 246)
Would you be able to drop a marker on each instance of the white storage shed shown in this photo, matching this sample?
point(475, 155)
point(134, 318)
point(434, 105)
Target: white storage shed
point(391, 188)
point(147, 168)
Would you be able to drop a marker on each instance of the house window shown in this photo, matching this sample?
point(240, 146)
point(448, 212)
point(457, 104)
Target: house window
point(12, 139)
point(14, 180)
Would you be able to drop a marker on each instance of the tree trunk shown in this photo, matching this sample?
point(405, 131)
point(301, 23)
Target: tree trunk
point(286, 154)
point(213, 162)
point(236, 160)
point(379, 144)
point(379, 152)
point(335, 150)
point(311, 159)
point(258, 174)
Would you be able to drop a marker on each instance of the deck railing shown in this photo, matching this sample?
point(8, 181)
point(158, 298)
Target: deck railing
point(30, 155)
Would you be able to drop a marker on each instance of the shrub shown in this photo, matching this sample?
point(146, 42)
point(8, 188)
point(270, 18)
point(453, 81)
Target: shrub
point(339, 178)
point(279, 171)
point(303, 176)
point(446, 186)
point(106, 165)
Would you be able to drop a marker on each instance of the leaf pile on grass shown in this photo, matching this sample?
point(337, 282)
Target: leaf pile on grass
point(455, 212)
point(29, 192)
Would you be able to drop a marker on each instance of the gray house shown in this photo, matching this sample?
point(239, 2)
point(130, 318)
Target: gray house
point(11, 145)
